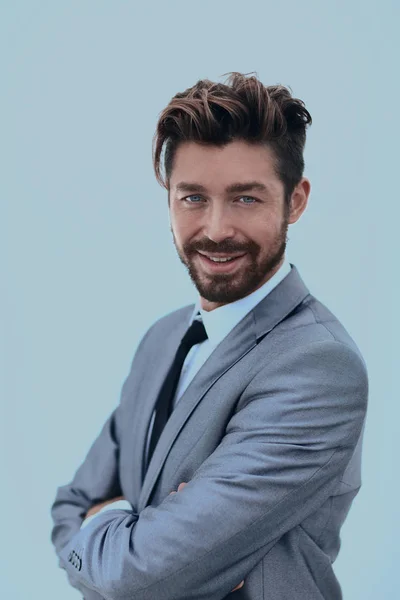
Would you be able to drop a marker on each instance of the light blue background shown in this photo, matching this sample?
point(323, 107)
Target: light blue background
point(87, 259)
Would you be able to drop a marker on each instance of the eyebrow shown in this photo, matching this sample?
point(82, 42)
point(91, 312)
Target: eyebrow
point(185, 186)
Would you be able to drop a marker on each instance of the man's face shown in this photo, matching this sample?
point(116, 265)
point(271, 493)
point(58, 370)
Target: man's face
point(209, 219)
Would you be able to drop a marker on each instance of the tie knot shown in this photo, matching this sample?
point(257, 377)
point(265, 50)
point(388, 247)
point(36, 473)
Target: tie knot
point(195, 334)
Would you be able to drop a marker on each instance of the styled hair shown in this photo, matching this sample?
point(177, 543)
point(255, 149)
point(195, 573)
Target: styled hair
point(240, 109)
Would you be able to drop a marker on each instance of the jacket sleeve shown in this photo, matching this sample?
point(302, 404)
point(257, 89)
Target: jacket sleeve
point(96, 480)
point(283, 454)
point(124, 504)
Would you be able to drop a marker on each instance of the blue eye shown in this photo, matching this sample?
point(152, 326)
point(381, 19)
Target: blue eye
point(188, 199)
point(192, 196)
point(251, 198)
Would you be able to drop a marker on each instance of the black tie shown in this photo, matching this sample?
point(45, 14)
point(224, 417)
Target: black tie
point(194, 335)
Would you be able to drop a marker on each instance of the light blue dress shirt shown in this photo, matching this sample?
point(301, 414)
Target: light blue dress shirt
point(218, 323)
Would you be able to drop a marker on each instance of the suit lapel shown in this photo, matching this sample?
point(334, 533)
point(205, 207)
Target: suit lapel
point(243, 337)
point(153, 385)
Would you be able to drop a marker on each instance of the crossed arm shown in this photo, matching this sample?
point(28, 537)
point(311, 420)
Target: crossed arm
point(114, 503)
point(282, 456)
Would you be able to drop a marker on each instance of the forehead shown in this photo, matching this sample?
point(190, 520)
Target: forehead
point(218, 167)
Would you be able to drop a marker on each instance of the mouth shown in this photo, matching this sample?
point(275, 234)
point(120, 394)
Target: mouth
point(221, 266)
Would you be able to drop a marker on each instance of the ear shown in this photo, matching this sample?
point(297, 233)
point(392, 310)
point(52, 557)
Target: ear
point(299, 200)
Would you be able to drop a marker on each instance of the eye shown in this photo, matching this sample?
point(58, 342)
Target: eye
point(251, 198)
point(189, 199)
point(186, 198)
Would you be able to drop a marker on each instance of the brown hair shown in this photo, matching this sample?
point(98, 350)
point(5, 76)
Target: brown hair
point(241, 109)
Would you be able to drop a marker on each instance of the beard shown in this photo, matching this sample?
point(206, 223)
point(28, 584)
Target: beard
point(258, 266)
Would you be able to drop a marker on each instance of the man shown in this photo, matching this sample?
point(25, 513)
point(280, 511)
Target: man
point(236, 445)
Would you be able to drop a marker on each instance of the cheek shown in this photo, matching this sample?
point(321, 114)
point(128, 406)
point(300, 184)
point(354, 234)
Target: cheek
point(182, 236)
point(265, 235)
point(259, 230)
point(184, 228)
point(267, 226)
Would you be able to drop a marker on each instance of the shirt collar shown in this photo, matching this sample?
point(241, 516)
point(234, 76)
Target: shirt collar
point(220, 321)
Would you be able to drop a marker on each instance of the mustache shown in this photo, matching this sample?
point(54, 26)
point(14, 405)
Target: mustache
point(226, 247)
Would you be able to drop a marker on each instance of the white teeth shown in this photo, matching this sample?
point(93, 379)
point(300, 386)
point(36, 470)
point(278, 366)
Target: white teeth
point(220, 259)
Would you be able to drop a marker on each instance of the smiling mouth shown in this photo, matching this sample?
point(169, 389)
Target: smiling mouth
point(221, 265)
point(222, 255)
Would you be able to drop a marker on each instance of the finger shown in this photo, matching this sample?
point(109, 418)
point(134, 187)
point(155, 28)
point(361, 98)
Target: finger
point(238, 586)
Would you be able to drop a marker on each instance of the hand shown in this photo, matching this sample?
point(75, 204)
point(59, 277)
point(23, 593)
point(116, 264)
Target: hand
point(180, 487)
point(97, 507)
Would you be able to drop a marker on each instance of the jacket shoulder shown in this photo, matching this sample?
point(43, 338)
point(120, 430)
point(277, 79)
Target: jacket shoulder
point(168, 322)
point(173, 318)
point(312, 321)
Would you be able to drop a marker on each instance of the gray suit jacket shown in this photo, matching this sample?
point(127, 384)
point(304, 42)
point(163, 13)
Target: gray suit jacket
point(268, 436)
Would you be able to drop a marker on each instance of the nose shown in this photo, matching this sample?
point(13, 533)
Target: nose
point(218, 224)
